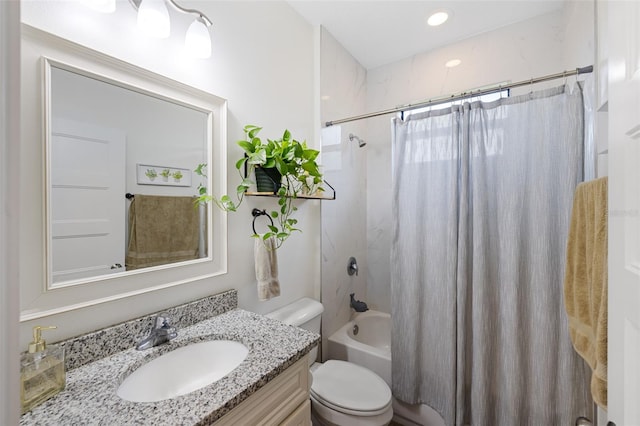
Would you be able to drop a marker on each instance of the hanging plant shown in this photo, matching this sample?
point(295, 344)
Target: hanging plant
point(296, 164)
point(203, 196)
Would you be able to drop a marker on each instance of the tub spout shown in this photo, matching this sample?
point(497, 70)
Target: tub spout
point(358, 305)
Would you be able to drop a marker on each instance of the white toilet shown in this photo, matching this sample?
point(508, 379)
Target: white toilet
point(342, 393)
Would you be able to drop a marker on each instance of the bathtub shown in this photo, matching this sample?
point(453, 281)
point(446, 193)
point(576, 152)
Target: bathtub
point(366, 341)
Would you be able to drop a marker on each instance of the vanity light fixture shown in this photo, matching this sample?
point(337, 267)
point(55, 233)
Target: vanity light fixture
point(197, 41)
point(153, 20)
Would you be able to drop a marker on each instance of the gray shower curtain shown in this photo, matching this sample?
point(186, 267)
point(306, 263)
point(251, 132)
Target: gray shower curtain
point(482, 200)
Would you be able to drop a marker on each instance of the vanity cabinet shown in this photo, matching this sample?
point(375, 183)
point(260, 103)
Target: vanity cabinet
point(283, 401)
point(300, 417)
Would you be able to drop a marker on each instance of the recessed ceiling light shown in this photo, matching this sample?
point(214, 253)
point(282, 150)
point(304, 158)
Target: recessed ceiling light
point(438, 18)
point(453, 63)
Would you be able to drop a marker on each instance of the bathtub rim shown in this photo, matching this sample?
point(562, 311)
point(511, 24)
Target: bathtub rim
point(341, 336)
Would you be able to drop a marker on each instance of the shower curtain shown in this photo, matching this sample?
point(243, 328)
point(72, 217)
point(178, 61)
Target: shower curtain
point(482, 201)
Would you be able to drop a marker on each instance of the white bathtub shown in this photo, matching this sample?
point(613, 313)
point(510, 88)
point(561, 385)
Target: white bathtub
point(370, 347)
point(366, 341)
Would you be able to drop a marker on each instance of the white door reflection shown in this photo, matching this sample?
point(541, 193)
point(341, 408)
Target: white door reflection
point(87, 183)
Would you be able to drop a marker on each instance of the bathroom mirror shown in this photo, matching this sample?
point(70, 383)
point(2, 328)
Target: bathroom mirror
point(107, 143)
point(106, 131)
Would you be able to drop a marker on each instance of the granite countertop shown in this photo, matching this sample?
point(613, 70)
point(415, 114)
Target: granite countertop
point(90, 394)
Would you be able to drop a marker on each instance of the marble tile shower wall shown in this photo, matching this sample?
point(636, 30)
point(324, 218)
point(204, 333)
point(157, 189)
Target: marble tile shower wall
point(90, 347)
point(343, 92)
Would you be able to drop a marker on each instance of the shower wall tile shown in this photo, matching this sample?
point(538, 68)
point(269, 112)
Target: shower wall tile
point(343, 94)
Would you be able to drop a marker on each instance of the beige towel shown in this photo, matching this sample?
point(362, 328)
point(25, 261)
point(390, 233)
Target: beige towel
point(585, 285)
point(161, 230)
point(266, 268)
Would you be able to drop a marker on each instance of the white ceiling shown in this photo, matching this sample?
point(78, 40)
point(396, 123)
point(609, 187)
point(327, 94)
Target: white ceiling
point(379, 32)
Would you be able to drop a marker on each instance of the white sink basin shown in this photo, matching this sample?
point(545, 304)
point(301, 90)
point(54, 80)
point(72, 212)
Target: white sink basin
point(182, 370)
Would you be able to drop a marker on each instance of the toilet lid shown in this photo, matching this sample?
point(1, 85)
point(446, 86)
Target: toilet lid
point(349, 386)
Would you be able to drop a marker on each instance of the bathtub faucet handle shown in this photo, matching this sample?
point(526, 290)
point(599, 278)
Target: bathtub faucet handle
point(358, 305)
point(352, 266)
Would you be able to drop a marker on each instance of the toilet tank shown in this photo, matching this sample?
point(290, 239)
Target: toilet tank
point(304, 313)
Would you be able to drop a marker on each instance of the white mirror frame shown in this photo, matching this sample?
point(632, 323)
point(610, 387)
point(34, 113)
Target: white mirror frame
point(41, 50)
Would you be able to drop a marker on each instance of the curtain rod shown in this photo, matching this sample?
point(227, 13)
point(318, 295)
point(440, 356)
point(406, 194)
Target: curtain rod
point(463, 95)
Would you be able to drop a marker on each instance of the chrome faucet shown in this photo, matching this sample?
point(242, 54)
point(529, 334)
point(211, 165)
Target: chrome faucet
point(352, 266)
point(161, 332)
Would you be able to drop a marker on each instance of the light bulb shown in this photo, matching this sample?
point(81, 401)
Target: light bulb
point(197, 42)
point(153, 18)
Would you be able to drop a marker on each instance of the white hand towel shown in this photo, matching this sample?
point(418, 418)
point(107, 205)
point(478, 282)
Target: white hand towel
point(266, 268)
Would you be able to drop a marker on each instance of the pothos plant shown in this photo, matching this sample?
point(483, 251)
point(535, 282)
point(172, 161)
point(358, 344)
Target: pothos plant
point(295, 161)
point(203, 196)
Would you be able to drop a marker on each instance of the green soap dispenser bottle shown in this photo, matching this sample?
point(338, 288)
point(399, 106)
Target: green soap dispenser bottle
point(42, 373)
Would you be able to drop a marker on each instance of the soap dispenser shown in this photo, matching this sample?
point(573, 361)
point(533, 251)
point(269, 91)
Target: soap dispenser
point(42, 373)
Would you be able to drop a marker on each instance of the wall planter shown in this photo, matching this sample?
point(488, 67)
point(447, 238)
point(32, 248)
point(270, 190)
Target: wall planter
point(300, 174)
point(268, 180)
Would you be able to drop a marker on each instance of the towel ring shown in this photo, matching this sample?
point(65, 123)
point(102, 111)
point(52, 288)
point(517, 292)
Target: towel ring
point(257, 212)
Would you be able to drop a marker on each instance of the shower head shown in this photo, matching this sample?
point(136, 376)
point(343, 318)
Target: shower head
point(361, 143)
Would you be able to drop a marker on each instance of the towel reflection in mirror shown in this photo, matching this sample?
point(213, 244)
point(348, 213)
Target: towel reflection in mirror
point(164, 229)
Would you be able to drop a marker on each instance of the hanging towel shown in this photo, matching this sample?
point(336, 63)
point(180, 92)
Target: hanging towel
point(585, 285)
point(161, 230)
point(266, 268)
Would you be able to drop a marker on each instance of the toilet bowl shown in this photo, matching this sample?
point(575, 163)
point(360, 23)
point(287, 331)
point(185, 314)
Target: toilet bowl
point(342, 393)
